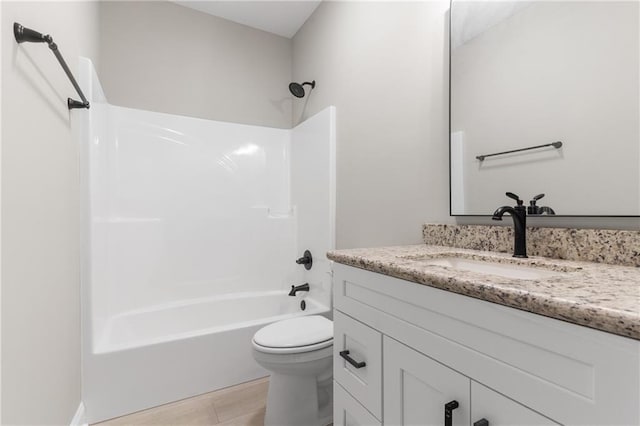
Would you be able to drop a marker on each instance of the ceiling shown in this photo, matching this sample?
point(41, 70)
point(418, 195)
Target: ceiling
point(283, 18)
point(469, 19)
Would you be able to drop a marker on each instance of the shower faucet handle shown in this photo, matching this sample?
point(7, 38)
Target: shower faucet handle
point(306, 260)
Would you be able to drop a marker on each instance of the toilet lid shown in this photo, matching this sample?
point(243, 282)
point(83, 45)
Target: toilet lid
point(295, 332)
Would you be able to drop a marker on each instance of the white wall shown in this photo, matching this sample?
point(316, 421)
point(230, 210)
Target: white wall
point(544, 75)
point(384, 65)
point(41, 214)
point(159, 56)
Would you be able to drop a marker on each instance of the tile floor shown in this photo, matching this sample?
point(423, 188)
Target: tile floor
point(241, 405)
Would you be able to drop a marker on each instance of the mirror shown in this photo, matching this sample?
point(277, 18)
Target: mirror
point(529, 74)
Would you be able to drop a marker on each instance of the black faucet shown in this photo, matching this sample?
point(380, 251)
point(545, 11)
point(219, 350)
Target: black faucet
point(295, 289)
point(519, 215)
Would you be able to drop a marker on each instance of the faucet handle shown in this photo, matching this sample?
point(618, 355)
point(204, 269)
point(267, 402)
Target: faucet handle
point(533, 208)
point(306, 260)
point(514, 197)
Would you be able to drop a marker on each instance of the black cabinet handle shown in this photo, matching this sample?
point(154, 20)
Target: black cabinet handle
point(448, 412)
point(481, 422)
point(356, 364)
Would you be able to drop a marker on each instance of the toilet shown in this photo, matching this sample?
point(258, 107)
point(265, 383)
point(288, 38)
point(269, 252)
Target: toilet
point(298, 352)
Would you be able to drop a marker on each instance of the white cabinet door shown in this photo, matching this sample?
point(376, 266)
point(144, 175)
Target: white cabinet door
point(348, 412)
point(417, 388)
point(499, 410)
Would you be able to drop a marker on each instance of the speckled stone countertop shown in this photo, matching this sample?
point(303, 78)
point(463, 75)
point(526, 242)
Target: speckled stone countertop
point(601, 296)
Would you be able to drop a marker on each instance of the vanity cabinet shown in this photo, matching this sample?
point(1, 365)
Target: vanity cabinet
point(419, 348)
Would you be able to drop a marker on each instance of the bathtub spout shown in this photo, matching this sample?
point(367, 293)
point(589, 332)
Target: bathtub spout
point(295, 289)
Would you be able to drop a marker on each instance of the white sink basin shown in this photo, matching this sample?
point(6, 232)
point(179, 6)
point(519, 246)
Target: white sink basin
point(506, 270)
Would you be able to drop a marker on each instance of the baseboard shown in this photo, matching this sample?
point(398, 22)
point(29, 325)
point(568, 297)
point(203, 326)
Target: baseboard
point(78, 418)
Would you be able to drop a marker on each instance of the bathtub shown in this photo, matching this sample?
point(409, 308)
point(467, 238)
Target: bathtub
point(149, 357)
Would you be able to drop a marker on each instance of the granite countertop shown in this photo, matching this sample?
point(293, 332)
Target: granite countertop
point(601, 296)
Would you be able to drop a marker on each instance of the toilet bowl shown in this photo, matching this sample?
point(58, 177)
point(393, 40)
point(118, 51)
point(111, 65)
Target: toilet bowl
point(298, 353)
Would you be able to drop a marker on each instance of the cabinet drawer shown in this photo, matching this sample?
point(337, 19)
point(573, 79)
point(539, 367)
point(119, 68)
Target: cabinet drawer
point(499, 410)
point(364, 346)
point(348, 412)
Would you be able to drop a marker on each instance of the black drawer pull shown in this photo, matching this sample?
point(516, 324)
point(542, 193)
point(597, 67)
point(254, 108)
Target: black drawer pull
point(481, 422)
point(448, 412)
point(356, 364)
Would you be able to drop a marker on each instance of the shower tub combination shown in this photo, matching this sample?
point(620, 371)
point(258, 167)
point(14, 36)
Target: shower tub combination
point(192, 232)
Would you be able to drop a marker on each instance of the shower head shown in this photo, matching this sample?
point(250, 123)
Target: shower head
point(297, 90)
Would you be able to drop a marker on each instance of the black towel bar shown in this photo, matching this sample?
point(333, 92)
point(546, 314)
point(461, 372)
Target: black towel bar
point(556, 145)
point(23, 34)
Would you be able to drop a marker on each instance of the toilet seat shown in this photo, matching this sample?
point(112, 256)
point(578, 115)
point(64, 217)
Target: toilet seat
point(295, 335)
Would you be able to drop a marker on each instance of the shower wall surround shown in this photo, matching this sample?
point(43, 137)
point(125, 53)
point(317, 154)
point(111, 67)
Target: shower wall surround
point(192, 231)
point(616, 247)
point(187, 208)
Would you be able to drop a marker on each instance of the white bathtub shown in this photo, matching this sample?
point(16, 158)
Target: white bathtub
point(186, 319)
point(145, 358)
